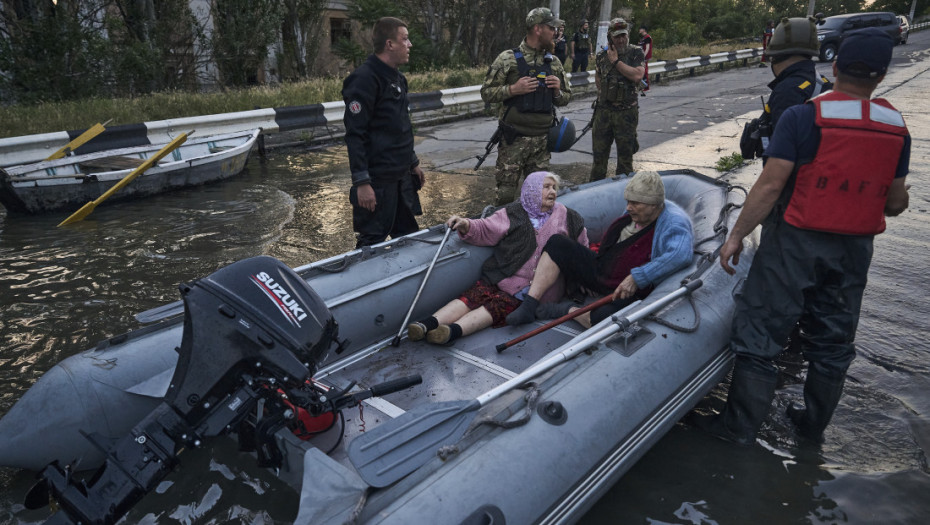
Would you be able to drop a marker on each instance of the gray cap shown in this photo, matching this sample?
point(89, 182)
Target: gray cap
point(618, 26)
point(646, 187)
point(542, 15)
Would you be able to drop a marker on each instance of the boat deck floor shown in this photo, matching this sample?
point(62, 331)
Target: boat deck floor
point(464, 370)
point(111, 163)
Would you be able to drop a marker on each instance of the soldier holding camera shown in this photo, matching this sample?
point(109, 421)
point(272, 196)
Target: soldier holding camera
point(529, 82)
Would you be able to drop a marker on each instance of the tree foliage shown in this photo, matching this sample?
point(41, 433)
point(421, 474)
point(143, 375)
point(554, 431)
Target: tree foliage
point(82, 48)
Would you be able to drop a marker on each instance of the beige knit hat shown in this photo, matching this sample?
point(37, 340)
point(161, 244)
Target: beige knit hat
point(645, 187)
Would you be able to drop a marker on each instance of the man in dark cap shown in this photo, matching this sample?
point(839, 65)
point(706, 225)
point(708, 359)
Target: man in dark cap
point(836, 168)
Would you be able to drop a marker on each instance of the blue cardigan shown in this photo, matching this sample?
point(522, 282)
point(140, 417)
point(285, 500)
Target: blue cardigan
point(672, 247)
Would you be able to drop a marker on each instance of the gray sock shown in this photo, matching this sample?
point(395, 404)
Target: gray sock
point(525, 313)
point(553, 310)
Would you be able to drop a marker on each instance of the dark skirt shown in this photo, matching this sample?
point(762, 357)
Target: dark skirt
point(496, 301)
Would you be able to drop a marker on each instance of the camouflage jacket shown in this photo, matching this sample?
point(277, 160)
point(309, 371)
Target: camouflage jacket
point(504, 72)
point(616, 90)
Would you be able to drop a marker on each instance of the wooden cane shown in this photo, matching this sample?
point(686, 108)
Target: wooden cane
point(555, 322)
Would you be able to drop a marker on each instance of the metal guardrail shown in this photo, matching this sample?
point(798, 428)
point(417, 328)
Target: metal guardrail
point(437, 104)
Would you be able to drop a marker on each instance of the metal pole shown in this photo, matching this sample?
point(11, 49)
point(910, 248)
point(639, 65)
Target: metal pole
point(429, 270)
point(554, 7)
point(811, 7)
point(606, 8)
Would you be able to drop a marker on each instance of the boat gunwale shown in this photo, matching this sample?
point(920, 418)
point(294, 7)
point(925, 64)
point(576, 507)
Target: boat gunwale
point(18, 173)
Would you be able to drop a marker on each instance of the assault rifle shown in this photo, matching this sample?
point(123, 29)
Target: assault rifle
point(590, 123)
point(495, 140)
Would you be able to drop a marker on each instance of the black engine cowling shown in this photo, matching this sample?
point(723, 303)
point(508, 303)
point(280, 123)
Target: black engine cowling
point(253, 315)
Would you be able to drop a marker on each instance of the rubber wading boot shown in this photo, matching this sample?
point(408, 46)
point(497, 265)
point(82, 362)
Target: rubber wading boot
point(821, 395)
point(748, 404)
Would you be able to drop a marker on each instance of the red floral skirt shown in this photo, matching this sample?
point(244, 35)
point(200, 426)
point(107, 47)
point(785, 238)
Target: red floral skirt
point(496, 301)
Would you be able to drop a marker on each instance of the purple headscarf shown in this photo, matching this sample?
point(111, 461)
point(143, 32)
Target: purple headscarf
point(531, 197)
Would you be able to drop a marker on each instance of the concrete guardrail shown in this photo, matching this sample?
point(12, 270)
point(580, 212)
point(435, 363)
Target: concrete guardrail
point(323, 122)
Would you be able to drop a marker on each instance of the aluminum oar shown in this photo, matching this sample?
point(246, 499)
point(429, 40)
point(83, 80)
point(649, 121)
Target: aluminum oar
point(396, 448)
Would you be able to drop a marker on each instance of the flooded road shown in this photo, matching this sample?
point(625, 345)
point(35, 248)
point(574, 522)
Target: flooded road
point(62, 290)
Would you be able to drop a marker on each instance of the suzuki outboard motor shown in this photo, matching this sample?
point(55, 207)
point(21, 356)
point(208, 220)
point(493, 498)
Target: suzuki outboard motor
point(251, 331)
point(253, 317)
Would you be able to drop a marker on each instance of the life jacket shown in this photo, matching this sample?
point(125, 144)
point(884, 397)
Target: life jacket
point(844, 188)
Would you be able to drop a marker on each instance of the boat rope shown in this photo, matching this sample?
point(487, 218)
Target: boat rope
point(531, 397)
point(340, 266)
point(686, 329)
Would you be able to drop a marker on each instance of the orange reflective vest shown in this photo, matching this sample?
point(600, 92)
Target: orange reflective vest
point(844, 188)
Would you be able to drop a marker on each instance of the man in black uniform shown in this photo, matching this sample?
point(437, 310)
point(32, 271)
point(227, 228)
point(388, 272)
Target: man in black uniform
point(792, 45)
point(581, 48)
point(379, 136)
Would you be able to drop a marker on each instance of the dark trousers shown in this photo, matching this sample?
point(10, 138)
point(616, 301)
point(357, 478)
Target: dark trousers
point(580, 62)
point(812, 279)
point(578, 264)
point(397, 203)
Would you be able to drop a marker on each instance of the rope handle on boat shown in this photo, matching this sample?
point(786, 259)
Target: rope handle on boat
point(685, 329)
point(531, 397)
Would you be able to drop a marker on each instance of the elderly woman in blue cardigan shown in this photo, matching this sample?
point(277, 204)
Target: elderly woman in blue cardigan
point(653, 240)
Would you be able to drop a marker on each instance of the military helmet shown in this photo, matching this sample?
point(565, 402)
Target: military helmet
point(561, 136)
point(794, 36)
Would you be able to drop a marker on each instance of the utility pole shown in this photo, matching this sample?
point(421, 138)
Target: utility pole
point(554, 7)
point(910, 17)
point(811, 7)
point(606, 8)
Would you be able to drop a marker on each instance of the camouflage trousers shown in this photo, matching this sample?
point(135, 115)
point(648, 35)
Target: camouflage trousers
point(516, 161)
point(614, 126)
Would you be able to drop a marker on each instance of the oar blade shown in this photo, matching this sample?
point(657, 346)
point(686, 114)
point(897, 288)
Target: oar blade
point(396, 448)
point(79, 215)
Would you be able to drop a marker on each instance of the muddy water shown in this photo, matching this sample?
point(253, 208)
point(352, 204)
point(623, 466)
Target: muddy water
point(62, 290)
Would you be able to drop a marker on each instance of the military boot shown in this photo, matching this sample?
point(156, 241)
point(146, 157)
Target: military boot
point(821, 395)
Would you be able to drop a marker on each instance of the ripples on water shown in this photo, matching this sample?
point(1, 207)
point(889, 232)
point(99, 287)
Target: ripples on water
point(62, 290)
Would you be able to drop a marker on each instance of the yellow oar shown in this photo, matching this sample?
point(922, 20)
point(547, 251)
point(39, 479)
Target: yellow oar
point(81, 139)
point(88, 208)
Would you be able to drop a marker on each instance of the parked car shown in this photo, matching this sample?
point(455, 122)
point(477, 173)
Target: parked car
point(833, 29)
point(905, 28)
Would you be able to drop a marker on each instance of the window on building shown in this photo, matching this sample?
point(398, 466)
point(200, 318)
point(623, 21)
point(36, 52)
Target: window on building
point(339, 28)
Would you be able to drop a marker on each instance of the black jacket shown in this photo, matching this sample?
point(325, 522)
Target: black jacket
point(379, 135)
point(795, 85)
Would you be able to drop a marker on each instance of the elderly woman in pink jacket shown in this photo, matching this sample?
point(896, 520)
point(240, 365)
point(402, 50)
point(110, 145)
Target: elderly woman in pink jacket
point(518, 232)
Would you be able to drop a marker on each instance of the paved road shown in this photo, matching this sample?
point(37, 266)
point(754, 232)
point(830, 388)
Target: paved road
point(688, 123)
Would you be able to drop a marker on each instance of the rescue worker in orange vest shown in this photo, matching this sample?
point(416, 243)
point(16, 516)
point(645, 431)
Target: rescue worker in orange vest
point(836, 168)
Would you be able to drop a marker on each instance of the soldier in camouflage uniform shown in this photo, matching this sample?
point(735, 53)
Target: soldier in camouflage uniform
point(529, 82)
point(619, 71)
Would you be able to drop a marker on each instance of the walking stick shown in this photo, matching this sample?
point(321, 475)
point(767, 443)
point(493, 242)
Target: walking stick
point(555, 322)
point(403, 325)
